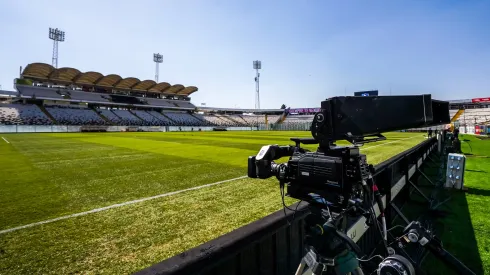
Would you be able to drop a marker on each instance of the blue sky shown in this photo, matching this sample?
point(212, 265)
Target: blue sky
point(310, 50)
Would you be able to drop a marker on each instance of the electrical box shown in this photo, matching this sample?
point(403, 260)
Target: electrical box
point(455, 171)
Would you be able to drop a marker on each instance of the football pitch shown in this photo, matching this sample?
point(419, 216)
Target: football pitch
point(96, 203)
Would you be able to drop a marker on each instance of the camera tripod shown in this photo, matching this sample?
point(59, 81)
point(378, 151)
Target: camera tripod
point(331, 251)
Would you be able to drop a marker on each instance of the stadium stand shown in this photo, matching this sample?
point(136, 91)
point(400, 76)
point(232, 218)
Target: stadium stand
point(16, 114)
point(125, 99)
point(184, 119)
point(216, 120)
point(473, 117)
point(253, 120)
point(232, 120)
point(184, 104)
point(37, 92)
point(127, 118)
point(75, 116)
point(298, 119)
point(110, 116)
point(158, 102)
point(148, 119)
point(165, 120)
point(88, 96)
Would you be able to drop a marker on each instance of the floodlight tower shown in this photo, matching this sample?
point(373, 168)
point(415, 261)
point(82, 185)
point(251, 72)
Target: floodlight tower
point(157, 58)
point(257, 67)
point(57, 36)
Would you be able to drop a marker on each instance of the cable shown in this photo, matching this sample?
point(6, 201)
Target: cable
point(284, 203)
point(367, 260)
point(396, 226)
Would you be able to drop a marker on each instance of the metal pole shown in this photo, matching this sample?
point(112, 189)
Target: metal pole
point(157, 58)
point(54, 59)
point(257, 66)
point(57, 36)
point(257, 88)
point(156, 72)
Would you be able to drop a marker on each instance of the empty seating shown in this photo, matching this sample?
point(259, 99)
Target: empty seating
point(472, 117)
point(159, 102)
point(184, 104)
point(88, 96)
point(149, 119)
point(16, 114)
point(253, 120)
point(299, 118)
point(164, 119)
point(33, 91)
point(214, 120)
point(184, 119)
point(75, 116)
point(110, 116)
point(127, 118)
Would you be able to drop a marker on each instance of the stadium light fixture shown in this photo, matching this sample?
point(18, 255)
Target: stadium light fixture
point(157, 58)
point(57, 36)
point(257, 67)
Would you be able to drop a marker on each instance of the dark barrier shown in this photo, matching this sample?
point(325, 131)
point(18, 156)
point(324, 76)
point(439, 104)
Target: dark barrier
point(274, 244)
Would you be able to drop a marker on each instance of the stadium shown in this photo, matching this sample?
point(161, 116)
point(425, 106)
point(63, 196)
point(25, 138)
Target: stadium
point(155, 162)
point(377, 161)
point(48, 99)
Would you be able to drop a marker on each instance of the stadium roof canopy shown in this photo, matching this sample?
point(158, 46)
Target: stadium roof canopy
point(46, 72)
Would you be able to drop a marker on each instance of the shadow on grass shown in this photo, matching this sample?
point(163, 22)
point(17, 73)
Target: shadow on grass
point(451, 222)
point(477, 171)
point(480, 192)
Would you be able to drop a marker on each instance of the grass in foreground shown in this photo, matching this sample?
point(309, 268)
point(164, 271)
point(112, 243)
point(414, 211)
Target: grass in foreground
point(465, 228)
point(49, 175)
point(466, 232)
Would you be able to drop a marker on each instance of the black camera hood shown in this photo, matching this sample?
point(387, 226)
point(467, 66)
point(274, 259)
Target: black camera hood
point(356, 117)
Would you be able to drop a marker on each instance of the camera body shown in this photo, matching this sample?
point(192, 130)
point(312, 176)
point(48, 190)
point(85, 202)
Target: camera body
point(336, 174)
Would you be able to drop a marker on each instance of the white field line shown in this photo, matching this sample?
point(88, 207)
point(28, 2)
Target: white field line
point(387, 143)
point(115, 206)
point(5, 140)
point(138, 200)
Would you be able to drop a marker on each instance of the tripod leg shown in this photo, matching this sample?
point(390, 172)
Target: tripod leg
point(301, 267)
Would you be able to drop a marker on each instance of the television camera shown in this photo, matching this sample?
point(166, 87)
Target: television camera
point(337, 181)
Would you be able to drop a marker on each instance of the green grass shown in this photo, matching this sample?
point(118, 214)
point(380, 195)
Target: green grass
point(44, 176)
point(465, 230)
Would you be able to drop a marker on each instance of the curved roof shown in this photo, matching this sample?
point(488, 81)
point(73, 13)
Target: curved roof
point(64, 74)
point(38, 70)
point(160, 87)
point(127, 83)
point(43, 71)
point(88, 78)
point(174, 89)
point(109, 80)
point(144, 85)
point(187, 91)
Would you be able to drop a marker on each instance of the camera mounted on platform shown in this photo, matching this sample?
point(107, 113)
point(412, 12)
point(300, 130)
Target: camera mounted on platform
point(337, 173)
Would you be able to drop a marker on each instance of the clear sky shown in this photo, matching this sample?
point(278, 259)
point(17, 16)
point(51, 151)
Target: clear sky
point(310, 50)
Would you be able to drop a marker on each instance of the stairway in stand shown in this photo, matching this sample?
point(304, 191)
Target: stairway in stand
point(41, 107)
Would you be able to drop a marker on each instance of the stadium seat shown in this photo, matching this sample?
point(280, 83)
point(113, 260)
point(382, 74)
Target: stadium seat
point(75, 116)
point(185, 119)
point(17, 114)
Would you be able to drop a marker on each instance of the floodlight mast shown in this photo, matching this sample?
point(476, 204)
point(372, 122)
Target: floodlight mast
point(57, 36)
point(257, 67)
point(157, 58)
